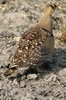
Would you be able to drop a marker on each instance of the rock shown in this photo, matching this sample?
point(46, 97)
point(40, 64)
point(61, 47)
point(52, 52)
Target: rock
point(27, 98)
point(15, 82)
point(16, 38)
point(22, 84)
point(62, 72)
point(31, 76)
point(1, 85)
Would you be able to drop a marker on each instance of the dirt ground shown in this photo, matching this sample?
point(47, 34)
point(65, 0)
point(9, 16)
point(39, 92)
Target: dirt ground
point(16, 16)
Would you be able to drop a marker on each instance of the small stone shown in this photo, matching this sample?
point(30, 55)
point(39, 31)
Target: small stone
point(22, 84)
point(27, 98)
point(62, 72)
point(31, 76)
point(23, 77)
point(15, 82)
point(0, 85)
point(16, 38)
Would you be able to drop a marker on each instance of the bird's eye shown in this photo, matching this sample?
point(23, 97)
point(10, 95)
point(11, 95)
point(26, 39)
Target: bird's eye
point(53, 6)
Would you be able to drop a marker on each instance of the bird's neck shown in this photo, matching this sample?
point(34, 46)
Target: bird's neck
point(46, 22)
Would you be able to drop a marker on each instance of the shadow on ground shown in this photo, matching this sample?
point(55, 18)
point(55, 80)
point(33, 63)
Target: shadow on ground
point(58, 63)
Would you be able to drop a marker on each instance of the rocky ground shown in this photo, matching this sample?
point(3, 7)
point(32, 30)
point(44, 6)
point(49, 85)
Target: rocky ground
point(16, 16)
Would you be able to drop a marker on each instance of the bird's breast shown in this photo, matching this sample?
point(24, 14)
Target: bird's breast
point(50, 43)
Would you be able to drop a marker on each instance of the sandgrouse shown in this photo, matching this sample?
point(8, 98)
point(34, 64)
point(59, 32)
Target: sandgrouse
point(36, 44)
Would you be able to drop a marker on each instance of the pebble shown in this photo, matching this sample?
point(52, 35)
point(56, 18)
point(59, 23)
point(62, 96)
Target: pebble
point(16, 38)
point(22, 84)
point(62, 72)
point(31, 76)
point(15, 82)
point(27, 98)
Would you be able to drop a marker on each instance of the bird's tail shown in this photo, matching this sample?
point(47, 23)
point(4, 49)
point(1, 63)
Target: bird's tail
point(9, 71)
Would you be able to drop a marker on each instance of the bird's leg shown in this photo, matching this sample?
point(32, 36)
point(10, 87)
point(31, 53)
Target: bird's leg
point(47, 65)
point(39, 70)
point(36, 69)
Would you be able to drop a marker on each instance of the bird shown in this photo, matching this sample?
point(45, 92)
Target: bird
point(36, 44)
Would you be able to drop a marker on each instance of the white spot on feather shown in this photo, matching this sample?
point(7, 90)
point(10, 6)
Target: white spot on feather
point(19, 51)
point(26, 47)
point(32, 46)
point(40, 28)
point(35, 32)
point(36, 43)
point(32, 35)
point(23, 59)
point(40, 42)
point(28, 40)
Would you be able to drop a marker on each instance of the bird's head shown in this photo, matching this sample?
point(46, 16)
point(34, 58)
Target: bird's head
point(51, 8)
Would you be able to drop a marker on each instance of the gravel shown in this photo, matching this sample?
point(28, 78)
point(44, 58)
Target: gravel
point(15, 18)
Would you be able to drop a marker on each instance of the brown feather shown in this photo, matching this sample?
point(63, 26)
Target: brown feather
point(33, 48)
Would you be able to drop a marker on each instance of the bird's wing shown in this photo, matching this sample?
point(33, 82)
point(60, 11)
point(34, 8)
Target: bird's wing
point(32, 49)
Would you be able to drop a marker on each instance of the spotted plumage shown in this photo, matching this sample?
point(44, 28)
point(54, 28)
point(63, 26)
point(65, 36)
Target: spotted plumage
point(32, 49)
point(35, 45)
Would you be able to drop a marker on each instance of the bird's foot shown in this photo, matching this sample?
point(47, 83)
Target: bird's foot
point(47, 66)
point(36, 70)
